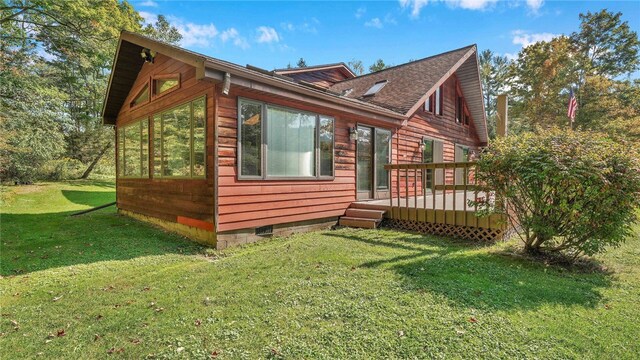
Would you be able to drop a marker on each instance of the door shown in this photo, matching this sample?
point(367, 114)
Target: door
point(432, 152)
point(373, 152)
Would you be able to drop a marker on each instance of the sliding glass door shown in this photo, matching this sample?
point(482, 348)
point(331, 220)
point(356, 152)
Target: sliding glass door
point(373, 152)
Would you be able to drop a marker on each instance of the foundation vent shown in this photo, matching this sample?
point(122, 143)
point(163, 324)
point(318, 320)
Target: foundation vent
point(264, 230)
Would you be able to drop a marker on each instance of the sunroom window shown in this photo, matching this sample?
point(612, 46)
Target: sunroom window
point(133, 149)
point(180, 141)
point(286, 143)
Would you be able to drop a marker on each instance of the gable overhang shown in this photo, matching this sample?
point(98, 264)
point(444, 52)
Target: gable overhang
point(127, 63)
point(215, 71)
point(467, 71)
point(342, 67)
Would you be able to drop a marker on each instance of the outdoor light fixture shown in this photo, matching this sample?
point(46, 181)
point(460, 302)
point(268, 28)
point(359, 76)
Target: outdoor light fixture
point(148, 55)
point(227, 83)
point(353, 134)
point(421, 145)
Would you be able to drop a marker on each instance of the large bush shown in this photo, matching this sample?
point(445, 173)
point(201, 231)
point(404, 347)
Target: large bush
point(565, 191)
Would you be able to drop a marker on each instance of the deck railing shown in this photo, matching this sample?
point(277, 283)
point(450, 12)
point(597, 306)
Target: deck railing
point(440, 193)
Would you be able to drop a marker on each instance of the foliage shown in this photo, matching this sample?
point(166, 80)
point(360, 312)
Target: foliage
point(110, 282)
point(357, 66)
point(62, 51)
point(378, 65)
point(493, 73)
point(301, 63)
point(568, 191)
point(162, 30)
point(607, 44)
point(592, 61)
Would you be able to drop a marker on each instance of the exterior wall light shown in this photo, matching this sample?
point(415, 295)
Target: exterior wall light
point(353, 134)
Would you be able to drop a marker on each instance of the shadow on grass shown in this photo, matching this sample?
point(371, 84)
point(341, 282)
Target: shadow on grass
point(34, 242)
point(481, 279)
point(89, 198)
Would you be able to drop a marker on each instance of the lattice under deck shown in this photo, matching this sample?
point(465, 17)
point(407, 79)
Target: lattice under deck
point(456, 231)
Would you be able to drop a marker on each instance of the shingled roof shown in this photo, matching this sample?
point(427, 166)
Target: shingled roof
point(408, 85)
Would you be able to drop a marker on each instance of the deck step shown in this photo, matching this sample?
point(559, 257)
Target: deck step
point(365, 213)
point(359, 222)
point(368, 206)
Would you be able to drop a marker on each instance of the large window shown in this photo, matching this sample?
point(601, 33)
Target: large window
point(179, 141)
point(278, 142)
point(133, 149)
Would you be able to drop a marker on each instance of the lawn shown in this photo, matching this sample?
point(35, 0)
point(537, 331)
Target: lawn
point(103, 285)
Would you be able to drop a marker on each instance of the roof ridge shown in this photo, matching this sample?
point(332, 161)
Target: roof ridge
point(405, 64)
point(313, 67)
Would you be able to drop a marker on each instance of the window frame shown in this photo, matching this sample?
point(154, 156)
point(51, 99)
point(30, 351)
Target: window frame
point(191, 153)
point(438, 97)
point(175, 76)
point(138, 92)
point(264, 147)
point(121, 163)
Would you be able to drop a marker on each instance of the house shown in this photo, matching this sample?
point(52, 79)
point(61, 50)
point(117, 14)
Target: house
point(225, 153)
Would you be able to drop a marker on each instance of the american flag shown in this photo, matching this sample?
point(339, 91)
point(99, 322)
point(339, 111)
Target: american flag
point(573, 106)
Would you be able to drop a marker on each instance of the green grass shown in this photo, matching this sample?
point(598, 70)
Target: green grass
point(112, 283)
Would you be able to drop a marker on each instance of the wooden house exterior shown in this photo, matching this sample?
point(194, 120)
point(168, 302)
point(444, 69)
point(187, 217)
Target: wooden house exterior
point(226, 154)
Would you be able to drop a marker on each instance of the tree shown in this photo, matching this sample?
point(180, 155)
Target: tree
point(377, 66)
point(356, 66)
point(301, 63)
point(162, 30)
point(493, 73)
point(592, 62)
point(540, 80)
point(606, 44)
point(566, 191)
point(76, 40)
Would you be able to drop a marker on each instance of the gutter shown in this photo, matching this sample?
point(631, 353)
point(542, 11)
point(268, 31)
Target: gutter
point(216, 70)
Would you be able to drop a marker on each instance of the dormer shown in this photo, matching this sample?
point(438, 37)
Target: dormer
point(320, 75)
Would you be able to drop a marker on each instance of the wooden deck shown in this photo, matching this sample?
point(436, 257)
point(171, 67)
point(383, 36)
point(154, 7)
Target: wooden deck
point(438, 198)
point(426, 202)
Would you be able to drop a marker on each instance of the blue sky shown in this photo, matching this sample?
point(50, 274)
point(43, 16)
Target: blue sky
point(273, 34)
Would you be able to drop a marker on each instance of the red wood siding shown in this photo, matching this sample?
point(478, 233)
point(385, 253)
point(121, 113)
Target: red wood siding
point(253, 203)
point(169, 199)
point(406, 144)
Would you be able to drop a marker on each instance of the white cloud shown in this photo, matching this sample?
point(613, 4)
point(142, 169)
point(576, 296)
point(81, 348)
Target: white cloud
point(511, 56)
point(148, 3)
point(415, 5)
point(196, 34)
point(148, 17)
point(471, 4)
point(535, 5)
point(267, 35)
point(306, 26)
point(523, 38)
point(375, 22)
point(389, 19)
point(233, 34)
point(360, 12)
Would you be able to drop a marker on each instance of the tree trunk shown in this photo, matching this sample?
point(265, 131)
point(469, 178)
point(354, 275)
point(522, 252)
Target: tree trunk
point(93, 164)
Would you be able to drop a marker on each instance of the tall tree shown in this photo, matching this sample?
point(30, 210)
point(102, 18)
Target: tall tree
point(377, 66)
point(494, 75)
point(76, 39)
point(301, 63)
point(163, 30)
point(540, 78)
point(607, 44)
point(356, 66)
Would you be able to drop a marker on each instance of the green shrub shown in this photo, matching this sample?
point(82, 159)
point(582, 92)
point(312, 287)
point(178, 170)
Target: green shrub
point(565, 191)
point(62, 169)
